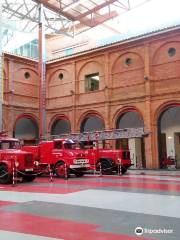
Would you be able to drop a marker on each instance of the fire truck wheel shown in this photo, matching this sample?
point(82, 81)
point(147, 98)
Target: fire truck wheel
point(60, 170)
point(106, 166)
point(124, 170)
point(79, 174)
point(5, 177)
point(28, 178)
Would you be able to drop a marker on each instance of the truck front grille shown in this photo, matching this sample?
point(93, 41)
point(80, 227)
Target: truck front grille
point(28, 160)
point(81, 161)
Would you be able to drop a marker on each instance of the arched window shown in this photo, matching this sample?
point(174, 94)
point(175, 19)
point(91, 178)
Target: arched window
point(60, 126)
point(92, 123)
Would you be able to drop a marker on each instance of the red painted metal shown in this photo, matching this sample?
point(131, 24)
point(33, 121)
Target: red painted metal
point(12, 156)
point(99, 154)
point(95, 9)
point(57, 153)
point(55, 9)
point(81, 17)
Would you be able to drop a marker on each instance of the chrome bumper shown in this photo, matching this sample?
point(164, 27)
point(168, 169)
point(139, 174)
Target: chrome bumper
point(79, 166)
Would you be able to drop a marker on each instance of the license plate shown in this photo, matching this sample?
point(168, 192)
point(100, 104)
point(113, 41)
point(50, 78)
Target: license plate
point(29, 169)
point(81, 161)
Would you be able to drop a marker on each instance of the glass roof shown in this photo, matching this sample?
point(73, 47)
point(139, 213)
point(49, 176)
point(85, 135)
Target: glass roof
point(67, 17)
point(19, 22)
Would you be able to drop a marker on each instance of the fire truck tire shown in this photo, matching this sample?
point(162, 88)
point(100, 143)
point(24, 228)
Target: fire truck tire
point(28, 178)
point(124, 170)
point(5, 177)
point(60, 170)
point(79, 174)
point(106, 165)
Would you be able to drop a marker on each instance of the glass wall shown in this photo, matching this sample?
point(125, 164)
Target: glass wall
point(28, 50)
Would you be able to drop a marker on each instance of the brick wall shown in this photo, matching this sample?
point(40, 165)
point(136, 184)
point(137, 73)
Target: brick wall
point(136, 75)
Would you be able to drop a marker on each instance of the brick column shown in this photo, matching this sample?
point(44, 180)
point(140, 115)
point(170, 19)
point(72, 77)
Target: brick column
point(75, 92)
point(151, 140)
point(106, 91)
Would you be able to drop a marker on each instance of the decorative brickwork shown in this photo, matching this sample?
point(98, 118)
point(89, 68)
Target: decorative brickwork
point(149, 83)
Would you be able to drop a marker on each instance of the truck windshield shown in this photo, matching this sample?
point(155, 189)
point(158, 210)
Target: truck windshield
point(71, 146)
point(10, 145)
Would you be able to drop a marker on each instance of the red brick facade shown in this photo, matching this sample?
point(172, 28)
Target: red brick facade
point(148, 85)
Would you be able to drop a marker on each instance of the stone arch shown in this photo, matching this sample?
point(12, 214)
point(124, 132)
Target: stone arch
point(87, 63)
point(54, 77)
point(60, 83)
point(26, 128)
point(94, 115)
point(165, 45)
point(163, 107)
point(124, 74)
point(124, 56)
point(60, 124)
point(124, 110)
point(26, 69)
point(167, 118)
point(164, 66)
point(131, 117)
point(32, 81)
point(88, 68)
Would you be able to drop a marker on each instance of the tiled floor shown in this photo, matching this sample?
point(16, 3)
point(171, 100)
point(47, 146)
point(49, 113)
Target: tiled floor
point(93, 207)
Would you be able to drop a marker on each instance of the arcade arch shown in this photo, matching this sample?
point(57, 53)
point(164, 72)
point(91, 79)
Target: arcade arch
point(132, 119)
point(26, 128)
point(169, 134)
point(60, 126)
point(92, 123)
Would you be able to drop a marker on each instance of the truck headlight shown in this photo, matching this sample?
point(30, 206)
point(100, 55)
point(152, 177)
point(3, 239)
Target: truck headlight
point(36, 163)
point(16, 164)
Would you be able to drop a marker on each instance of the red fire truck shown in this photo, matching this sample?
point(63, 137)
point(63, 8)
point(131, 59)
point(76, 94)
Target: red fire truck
point(61, 156)
point(12, 156)
point(108, 159)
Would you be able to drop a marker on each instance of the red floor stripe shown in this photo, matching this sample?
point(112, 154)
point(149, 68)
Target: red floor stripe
point(6, 203)
point(127, 177)
point(41, 189)
point(100, 183)
point(168, 187)
point(57, 228)
point(54, 189)
point(144, 179)
point(156, 174)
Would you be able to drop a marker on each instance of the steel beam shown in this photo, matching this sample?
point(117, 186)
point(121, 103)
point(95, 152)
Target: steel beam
point(41, 68)
point(55, 9)
point(95, 9)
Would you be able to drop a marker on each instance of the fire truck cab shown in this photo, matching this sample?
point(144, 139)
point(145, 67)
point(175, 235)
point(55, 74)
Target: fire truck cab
point(12, 156)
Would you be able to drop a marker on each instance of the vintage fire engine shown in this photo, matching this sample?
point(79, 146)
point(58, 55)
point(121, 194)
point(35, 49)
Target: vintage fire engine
point(13, 157)
point(61, 156)
point(108, 160)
